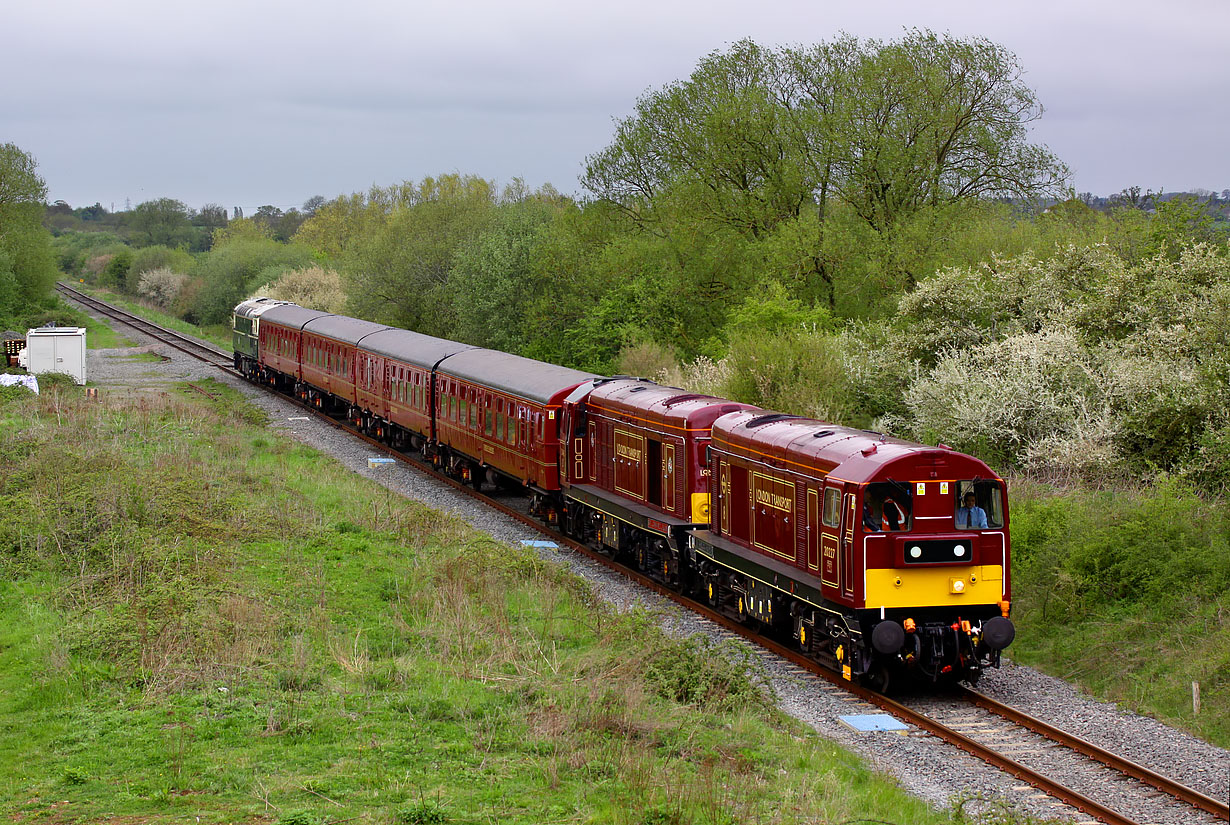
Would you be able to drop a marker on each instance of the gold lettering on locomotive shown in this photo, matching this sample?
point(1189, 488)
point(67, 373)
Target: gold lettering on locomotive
point(628, 452)
point(771, 499)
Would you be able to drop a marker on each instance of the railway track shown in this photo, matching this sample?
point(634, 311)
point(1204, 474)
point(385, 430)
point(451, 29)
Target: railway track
point(190, 346)
point(990, 731)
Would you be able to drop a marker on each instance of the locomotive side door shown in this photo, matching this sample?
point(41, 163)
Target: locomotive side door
point(812, 530)
point(724, 498)
point(849, 519)
point(668, 477)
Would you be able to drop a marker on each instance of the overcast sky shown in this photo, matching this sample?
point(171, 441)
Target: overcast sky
point(253, 102)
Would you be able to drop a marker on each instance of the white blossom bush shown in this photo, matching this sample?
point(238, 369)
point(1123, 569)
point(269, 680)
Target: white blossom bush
point(1033, 398)
point(313, 287)
point(161, 286)
point(965, 307)
point(1089, 364)
point(704, 375)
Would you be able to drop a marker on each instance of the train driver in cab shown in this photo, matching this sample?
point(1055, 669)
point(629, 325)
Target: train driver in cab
point(969, 515)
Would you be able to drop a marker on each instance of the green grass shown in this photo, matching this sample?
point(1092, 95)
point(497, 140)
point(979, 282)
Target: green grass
point(99, 335)
point(202, 621)
point(1127, 592)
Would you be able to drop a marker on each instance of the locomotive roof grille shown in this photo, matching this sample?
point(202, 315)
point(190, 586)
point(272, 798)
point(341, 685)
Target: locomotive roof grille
point(761, 420)
point(679, 399)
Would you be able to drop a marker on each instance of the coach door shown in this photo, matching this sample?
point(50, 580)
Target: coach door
point(849, 518)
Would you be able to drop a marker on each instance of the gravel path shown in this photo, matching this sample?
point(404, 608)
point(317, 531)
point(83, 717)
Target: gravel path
point(922, 764)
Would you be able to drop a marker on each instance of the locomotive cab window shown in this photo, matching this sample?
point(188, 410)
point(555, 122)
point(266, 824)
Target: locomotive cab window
point(832, 506)
point(887, 507)
point(987, 505)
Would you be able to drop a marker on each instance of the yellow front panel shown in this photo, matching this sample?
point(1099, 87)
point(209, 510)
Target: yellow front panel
point(700, 508)
point(928, 586)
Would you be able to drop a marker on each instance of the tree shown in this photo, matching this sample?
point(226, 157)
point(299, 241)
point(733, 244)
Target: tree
point(932, 120)
point(492, 284)
point(399, 243)
point(312, 204)
point(754, 137)
point(20, 184)
point(211, 216)
point(163, 221)
point(27, 263)
point(718, 144)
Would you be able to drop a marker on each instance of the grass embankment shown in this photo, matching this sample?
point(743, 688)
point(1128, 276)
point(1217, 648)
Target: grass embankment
point(1127, 592)
point(200, 621)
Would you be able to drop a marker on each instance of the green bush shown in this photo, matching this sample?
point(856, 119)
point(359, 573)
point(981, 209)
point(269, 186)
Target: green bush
point(422, 813)
point(115, 273)
point(1125, 591)
point(230, 271)
point(1093, 548)
point(798, 372)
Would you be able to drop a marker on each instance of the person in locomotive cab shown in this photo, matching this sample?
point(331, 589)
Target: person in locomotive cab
point(883, 515)
point(870, 521)
point(970, 515)
point(893, 517)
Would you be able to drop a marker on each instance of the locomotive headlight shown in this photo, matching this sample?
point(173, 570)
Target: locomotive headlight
point(959, 550)
point(956, 585)
point(915, 552)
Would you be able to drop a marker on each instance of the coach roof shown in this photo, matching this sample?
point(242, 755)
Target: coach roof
point(291, 315)
point(522, 377)
point(412, 347)
point(341, 328)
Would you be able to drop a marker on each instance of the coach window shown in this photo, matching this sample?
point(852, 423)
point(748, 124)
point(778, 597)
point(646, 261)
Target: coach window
point(489, 423)
point(499, 426)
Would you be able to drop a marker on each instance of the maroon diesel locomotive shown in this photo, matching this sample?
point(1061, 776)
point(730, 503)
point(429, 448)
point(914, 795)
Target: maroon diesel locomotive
point(855, 543)
point(877, 556)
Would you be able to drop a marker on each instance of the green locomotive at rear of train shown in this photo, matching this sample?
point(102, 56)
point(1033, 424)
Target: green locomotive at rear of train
point(880, 557)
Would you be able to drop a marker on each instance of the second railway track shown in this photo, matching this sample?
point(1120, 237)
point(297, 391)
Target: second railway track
point(1102, 785)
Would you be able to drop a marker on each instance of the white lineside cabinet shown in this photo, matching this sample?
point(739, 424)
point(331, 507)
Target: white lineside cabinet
point(56, 349)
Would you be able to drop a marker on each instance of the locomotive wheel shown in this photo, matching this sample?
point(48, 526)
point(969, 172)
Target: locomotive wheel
point(877, 679)
point(804, 639)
